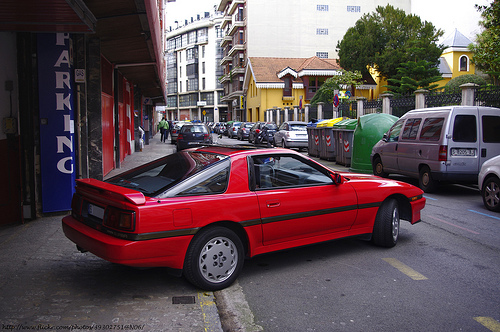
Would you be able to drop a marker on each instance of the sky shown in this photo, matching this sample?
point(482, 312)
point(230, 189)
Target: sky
point(444, 14)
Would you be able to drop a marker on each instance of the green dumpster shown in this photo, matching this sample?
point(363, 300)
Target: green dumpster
point(369, 131)
point(343, 132)
point(327, 140)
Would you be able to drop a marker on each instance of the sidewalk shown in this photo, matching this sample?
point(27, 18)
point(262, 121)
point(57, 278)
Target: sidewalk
point(46, 283)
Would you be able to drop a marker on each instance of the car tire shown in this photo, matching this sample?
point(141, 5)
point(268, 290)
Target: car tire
point(378, 168)
point(214, 259)
point(425, 180)
point(387, 223)
point(491, 194)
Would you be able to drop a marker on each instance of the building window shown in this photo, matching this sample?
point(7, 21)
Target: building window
point(464, 63)
point(203, 51)
point(287, 91)
point(354, 9)
point(322, 55)
point(203, 83)
point(322, 31)
point(322, 8)
point(203, 67)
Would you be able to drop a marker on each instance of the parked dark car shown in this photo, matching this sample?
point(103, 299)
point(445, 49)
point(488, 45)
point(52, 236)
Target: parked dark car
point(233, 129)
point(262, 132)
point(192, 134)
point(219, 128)
point(244, 130)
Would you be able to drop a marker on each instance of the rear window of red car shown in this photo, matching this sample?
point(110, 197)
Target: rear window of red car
point(158, 176)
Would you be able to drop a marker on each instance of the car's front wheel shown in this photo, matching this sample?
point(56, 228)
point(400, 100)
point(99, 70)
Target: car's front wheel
point(378, 167)
point(491, 194)
point(386, 228)
point(214, 259)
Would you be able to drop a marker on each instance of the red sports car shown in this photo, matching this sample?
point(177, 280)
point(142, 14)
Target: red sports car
point(201, 211)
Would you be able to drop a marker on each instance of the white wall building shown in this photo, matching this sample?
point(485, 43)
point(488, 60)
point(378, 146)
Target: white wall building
point(193, 55)
point(284, 29)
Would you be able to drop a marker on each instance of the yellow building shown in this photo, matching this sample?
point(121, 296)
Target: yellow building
point(456, 58)
point(287, 82)
point(454, 61)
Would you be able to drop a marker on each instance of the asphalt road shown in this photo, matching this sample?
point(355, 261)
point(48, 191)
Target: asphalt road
point(444, 275)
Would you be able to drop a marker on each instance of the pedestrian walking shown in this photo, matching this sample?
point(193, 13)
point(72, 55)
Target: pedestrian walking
point(162, 127)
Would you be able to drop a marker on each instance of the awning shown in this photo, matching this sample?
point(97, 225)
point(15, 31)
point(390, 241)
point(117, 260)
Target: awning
point(46, 16)
point(129, 32)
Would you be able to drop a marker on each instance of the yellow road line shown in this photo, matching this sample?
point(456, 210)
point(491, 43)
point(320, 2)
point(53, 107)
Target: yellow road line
point(488, 322)
point(405, 269)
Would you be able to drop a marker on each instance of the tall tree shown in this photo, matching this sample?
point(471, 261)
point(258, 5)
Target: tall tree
point(487, 48)
point(414, 75)
point(387, 38)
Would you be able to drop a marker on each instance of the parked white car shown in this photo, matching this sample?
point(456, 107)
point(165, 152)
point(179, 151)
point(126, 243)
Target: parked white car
point(292, 134)
point(489, 183)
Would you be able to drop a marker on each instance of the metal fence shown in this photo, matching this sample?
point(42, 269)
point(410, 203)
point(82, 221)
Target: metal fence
point(400, 104)
point(488, 96)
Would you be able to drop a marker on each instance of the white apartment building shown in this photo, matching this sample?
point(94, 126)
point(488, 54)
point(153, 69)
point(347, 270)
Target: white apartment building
point(193, 55)
point(286, 29)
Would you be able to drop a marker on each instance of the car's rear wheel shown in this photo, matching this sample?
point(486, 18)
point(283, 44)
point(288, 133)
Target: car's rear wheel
point(378, 167)
point(491, 194)
point(387, 222)
point(214, 259)
point(425, 180)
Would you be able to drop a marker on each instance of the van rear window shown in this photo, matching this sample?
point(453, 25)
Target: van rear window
point(491, 129)
point(431, 130)
point(465, 128)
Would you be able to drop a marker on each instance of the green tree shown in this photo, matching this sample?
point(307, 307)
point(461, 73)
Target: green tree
point(455, 83)
point(387, 38)
point(327, 91)
point(413, 75)
point(487, 47)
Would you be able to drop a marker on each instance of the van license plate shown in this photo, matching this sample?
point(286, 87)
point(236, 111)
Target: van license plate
point(463, 152)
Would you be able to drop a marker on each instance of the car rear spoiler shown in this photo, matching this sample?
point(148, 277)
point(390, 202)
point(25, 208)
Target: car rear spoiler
point(103, 188)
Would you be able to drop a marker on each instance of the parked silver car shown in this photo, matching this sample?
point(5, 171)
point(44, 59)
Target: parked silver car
point(292, 134)
point(489, 183)
point(176, 129)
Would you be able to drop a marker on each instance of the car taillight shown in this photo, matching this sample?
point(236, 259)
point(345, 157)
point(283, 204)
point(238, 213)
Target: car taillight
point(206, 136)
point(179, 136)
point(443, 153)
point(119, 219)
point(257, 131)
point(76, 207)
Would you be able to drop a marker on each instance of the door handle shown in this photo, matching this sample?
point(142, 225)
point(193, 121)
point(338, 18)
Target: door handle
point(273, 203)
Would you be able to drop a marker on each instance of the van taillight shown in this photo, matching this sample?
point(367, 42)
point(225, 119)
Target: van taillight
point(119, 219)
point(443, 153)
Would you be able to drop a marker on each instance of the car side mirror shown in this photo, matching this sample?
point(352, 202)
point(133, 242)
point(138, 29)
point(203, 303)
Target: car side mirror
point(337, 178)
point(385, 137)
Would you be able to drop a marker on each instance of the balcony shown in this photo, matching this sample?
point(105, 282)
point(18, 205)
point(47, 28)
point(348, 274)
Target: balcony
point(236, 48)
point(227, 20)
point(226, 60)
point(236, 25)
point(234, 5)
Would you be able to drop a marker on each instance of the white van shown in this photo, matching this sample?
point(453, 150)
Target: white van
point(439, 144)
